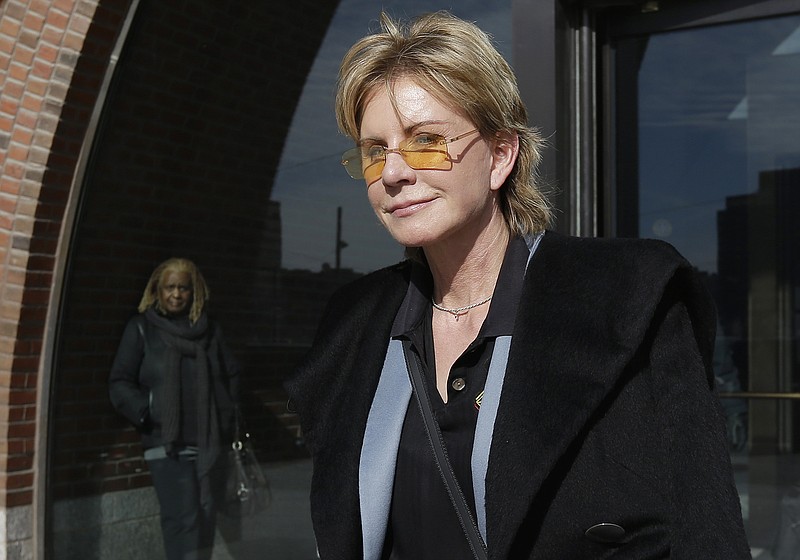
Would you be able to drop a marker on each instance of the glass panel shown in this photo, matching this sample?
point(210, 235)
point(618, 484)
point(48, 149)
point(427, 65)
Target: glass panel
point(217, 143)
point(717, 148)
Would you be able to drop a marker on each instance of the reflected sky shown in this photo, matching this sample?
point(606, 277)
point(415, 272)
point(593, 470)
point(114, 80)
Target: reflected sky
point(311, 183)
point(717, 106)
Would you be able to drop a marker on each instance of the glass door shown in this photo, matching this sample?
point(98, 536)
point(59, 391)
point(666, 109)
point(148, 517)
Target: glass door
point(706, 156)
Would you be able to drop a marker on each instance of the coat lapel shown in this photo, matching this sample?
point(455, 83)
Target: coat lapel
point(552, 390)
point(378, 460)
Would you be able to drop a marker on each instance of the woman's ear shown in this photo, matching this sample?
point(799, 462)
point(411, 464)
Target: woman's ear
point(504, 156)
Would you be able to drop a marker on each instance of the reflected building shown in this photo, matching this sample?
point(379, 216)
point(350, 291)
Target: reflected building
point(759, 292)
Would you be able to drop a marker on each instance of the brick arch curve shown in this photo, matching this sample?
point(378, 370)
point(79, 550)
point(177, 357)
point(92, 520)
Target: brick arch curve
point(48, 122)
point(53, 56)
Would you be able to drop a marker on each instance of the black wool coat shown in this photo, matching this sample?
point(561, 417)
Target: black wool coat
point(607, 413)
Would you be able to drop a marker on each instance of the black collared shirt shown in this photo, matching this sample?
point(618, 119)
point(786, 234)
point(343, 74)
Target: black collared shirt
point(423, 523)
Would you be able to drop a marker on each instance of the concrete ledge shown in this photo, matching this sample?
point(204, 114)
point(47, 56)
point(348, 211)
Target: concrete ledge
point(16, 533)
point(119, 525)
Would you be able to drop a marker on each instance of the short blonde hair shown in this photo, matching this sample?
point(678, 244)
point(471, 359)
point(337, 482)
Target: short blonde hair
point(457, 63)
point(200, 291)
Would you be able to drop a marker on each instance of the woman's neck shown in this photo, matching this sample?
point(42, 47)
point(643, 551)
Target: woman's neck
point(466, 272)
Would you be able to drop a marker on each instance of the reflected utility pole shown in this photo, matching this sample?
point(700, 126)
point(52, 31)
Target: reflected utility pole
point(339, 243)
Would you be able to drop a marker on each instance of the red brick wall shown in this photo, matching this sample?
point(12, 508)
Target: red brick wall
point(52, 57)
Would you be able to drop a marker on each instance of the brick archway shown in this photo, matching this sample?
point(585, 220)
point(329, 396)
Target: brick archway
point(53, 56)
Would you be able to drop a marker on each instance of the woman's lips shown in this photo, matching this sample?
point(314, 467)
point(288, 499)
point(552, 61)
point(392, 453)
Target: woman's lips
point(408, 208)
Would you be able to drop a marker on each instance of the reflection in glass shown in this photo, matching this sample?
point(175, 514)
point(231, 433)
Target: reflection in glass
point(718, 144)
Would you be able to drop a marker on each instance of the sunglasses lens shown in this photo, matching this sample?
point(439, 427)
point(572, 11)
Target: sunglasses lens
point(351, 160)
point(373, 172)
point(425, 159)
point(425, 151)
point(354, 162)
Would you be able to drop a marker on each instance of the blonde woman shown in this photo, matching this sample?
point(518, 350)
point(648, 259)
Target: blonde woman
point(176, 381)
point(507, 392)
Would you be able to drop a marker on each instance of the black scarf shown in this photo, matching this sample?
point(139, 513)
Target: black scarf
point(190, 340)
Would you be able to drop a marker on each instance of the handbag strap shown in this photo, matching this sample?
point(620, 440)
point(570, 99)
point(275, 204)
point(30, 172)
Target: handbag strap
point(241, 435)
point(237, 424)
point(434, 433)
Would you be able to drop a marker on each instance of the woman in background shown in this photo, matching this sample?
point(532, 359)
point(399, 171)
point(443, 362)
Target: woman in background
point(176, 381)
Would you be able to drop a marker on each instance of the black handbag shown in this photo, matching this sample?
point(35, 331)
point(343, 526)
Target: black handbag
point(247, 490)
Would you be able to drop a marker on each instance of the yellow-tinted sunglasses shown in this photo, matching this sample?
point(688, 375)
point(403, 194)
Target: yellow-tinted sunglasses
point(421, 151)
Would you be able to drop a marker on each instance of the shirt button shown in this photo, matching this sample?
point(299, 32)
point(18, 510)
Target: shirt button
point(459, 383)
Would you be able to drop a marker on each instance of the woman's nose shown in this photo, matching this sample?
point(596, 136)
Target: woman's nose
point(395, 168)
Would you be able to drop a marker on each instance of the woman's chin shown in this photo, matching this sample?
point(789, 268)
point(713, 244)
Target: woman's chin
point(420, 241)
point(415, 234)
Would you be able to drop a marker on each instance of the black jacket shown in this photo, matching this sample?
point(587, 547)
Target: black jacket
point(137, 377)
point(607, 413)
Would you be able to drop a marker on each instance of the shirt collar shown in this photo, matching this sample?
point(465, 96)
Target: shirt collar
point(505, 300)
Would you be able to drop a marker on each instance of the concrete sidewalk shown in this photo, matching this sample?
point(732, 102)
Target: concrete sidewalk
point(283, 530)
